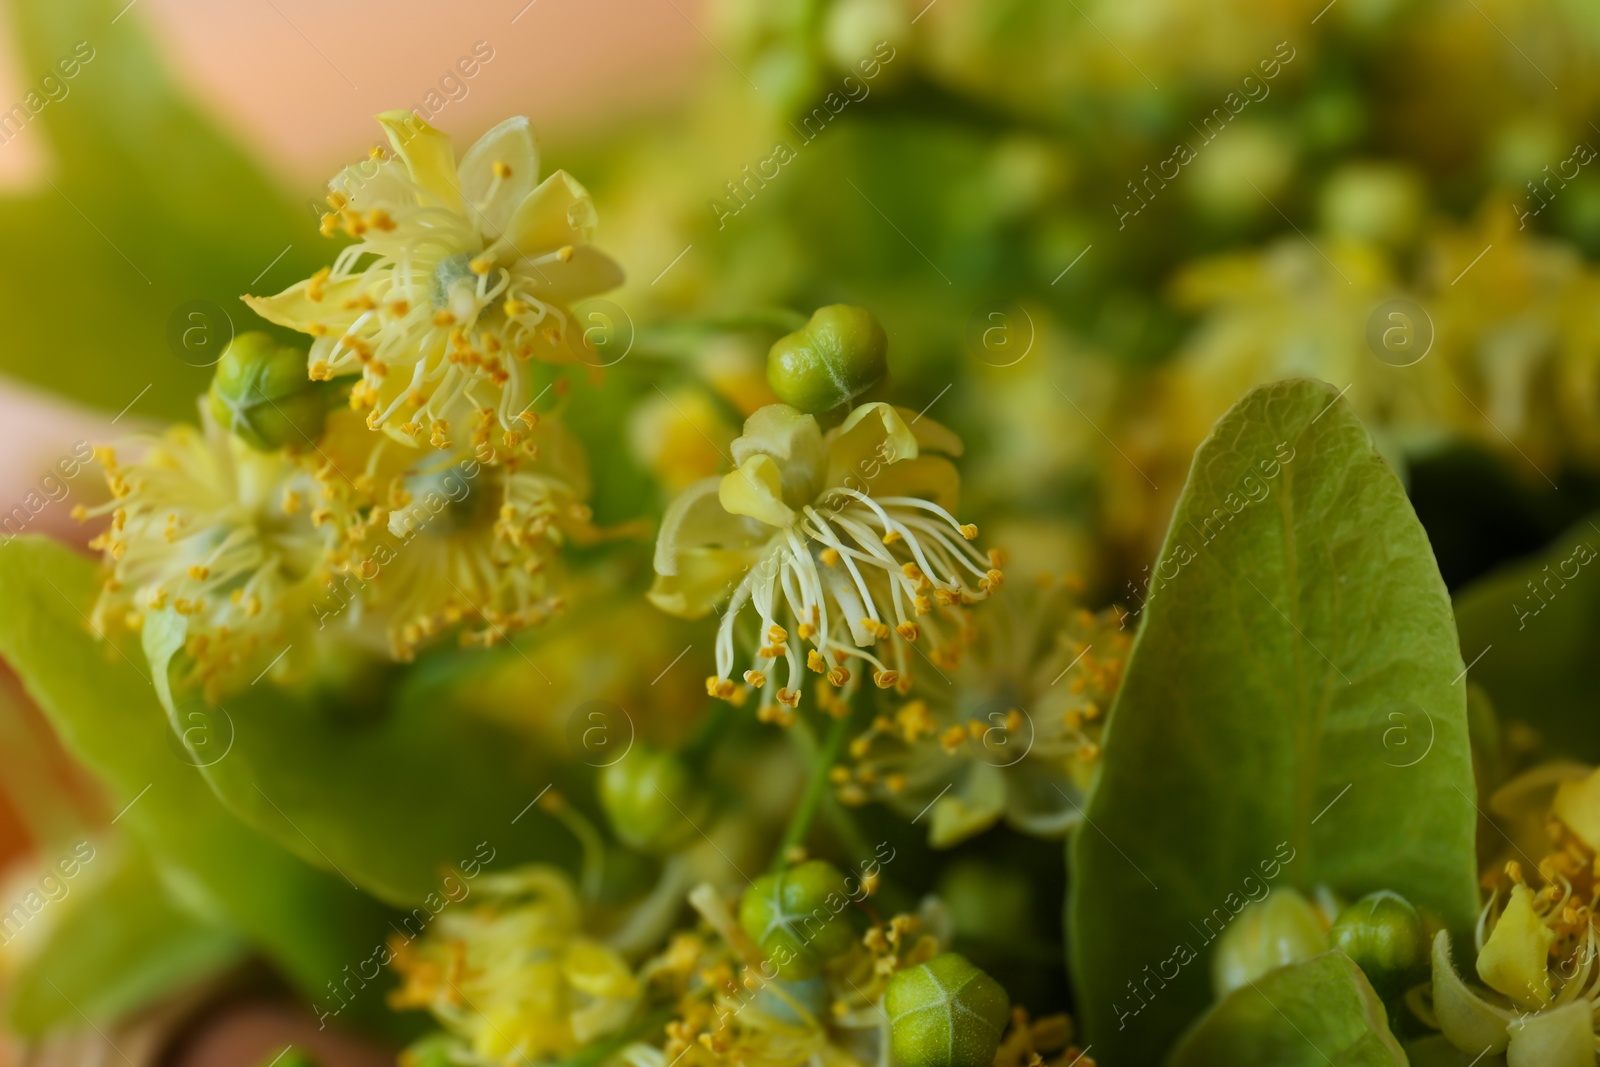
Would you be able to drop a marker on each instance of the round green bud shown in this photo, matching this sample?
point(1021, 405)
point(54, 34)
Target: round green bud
point(1384, 935)
point(260, 392)
point(834, 358)
point(1282, 929)
point(652, 801)
point(946, 1013)
point(796, 917)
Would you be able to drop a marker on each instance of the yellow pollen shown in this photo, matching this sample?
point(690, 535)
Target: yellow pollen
point(513, 308)
point(777, 635)
point(314, 286)
point(199, 572)
point(830, 557)
point(443, 318)
point(755, 678)
point(789, 698)
point(481, 265)
point(970, 532)
point(885, 679)
point(838, 676)
point(815, 661)
point(892, 536)
point(875, 628)
point(399, 308)
point(908, 630)
point(806, 631)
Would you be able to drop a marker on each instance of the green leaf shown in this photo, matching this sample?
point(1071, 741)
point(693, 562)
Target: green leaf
point(1292, 714)
point(102, 703)
point(123, 946)
point(390, 797)
point(1532, 629)
point(1308, 1014)
point(147, 207)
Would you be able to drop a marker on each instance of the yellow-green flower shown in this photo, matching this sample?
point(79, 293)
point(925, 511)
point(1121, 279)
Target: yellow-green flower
point(457, 278)
point(208, 526)
point(429, 541)
point(1538, 939)
point(845, 540)
point(515, 979)
point(1013, 732)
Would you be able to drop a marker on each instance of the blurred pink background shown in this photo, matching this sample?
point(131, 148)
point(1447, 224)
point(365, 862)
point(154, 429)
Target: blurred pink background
point(299, 80)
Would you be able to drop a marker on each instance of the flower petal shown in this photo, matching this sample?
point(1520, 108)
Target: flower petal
point(931, 436)
point(491, 202)
point(702, 579)
point(295, 309)
point(972, 807)
point(559, 212)
point(1577, 804)
point(1513, 960)
point(374, 184)
point(870, 437)
point(756, 490)
point(794, 440)
point(1560, 1037)
point(929, 477)
point(1470, 1023)
point(588, 271)
point(696, 520)
point(428, 156)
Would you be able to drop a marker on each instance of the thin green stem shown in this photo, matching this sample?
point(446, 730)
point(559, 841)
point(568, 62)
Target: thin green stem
point(822, 760)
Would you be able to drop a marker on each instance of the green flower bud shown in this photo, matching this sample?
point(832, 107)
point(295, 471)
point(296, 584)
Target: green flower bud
point(652, 801)
point(1275, 932)
point(834, 358)
point(946, 1013)
point(796, 917)
point(260, 392)
point(1383, 933)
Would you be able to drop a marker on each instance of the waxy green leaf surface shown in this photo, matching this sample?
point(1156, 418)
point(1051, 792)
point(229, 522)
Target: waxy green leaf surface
point(1293, 713)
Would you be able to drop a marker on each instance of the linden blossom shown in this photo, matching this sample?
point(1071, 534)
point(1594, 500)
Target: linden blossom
point(1183, 154)
point(824, 113)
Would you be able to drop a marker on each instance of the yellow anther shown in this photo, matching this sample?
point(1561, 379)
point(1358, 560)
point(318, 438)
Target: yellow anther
point(908, 630)
point(315, 285)
point(830, 557)
point(777, 635)
point(806, 631)
point(838, 676)
point(755, 678)
point(969, 531)
point(891, 536)
point(199, 572)
point(885, 679)
point(502, 170)
point(481, 266)
point(789, 698)
point(815, 661)
point(877, 629)
point(444, 318)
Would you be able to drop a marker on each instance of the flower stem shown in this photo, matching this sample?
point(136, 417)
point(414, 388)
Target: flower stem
point(822, 760)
